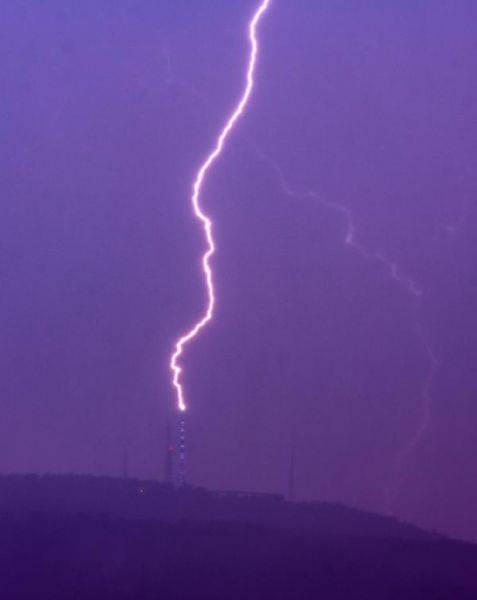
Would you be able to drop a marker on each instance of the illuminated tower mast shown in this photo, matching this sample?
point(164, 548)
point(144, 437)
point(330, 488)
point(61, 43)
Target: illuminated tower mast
point(181, 451)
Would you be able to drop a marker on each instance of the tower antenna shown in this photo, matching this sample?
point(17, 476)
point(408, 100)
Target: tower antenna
point(291, 473)
point(125, 462)
point(168, 454)
point(181, 451)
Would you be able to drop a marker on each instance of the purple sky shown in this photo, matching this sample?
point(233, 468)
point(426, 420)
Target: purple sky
point(108, 108)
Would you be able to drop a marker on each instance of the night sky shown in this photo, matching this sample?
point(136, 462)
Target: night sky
point(107, 110)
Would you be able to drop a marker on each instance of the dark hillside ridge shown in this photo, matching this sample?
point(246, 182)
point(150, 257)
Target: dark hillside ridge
point(100, 538)
point(88, 495)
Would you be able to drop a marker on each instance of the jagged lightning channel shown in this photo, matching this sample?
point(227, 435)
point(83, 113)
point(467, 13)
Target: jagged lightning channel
point(415, 293)
point(204, 219)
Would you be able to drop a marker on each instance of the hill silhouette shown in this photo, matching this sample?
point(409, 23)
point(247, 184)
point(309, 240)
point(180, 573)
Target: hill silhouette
point(98, 537)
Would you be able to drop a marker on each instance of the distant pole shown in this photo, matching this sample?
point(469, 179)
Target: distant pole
point(168, 454)
point(291, 474)
point(125, 463)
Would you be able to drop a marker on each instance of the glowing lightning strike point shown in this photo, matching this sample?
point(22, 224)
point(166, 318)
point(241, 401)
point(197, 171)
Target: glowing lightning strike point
point(202, 216)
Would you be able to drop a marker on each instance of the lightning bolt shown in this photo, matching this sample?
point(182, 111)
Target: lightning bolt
point(204, 219)
point(415, 294)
